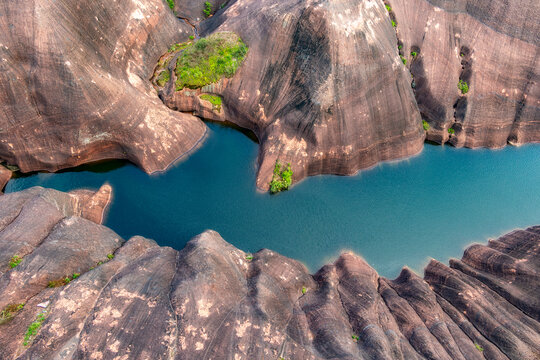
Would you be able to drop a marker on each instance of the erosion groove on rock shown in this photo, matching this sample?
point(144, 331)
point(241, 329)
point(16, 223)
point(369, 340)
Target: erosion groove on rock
point(212, 300)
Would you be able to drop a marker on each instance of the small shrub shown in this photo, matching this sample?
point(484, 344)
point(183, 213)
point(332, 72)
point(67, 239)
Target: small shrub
point(400, 47)
point(413, 54)
point(214, 100)
point(463, 86)
point(355, 337)
point(207, 9)
point(110, 256)
point(304, 290)
point(33, 329)
point(191, 37)
point(14, 261)
point(281, 180)
point(75, 275)
point(451, 131)
point(479, 347)
point(9, 312)
point(388, 8)
point(171, 4)
point(163, 78)
point(425, 124)
point(64, 281)
point(249, 257)
point(403, 60)
point(394, 23)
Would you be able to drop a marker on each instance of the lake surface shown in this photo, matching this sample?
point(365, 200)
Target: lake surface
point(399, 213)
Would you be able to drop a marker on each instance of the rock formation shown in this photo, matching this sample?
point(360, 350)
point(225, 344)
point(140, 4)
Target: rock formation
point(138, 300)
point(494, 46)
point(74, 84)
point(326, 84)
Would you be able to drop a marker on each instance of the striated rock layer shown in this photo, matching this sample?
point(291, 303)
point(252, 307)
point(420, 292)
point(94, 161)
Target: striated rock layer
point(74, 84)
point(494, 46)
point(138, 300)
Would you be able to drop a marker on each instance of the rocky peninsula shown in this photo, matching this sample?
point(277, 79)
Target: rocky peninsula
point(78, 291)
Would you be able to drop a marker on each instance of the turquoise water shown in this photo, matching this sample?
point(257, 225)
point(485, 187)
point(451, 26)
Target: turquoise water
point(395, 214)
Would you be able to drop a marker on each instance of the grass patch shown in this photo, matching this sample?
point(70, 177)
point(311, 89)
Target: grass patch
point(388, 8)
point(33, 329)
point(281, 180)
point(171, 4)
point(207, 10)
point(14, 261)
point(214, 100)
point(180, 46)
point(394, 23)
point(249, 257)
point(451, 131)
point(425, 125)
point(463, 87)
point(479, 347)
point(304, 290)
point(163, 78)
point(64, 281)
point(209, 60)
point(355, 338)
point(110, 256)
point(413, 54)
point(9, 312)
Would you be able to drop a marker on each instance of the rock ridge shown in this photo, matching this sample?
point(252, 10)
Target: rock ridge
point(210, 300)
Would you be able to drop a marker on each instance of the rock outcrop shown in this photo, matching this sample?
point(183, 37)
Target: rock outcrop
point(74, 84)
point(494, 46)
point(138, 300)
point(322, 86)
point(326, 85)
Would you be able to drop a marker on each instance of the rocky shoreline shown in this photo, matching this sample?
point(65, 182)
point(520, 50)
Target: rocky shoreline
point(134, 299)
point(329, 86)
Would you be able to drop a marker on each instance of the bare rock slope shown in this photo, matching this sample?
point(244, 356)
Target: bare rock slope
point(138, 300)
point(74, 84)
point(327, 86)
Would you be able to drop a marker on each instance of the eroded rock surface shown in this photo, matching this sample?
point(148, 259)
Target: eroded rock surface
point(74, 84)
point(494, 46)
point(138, 300)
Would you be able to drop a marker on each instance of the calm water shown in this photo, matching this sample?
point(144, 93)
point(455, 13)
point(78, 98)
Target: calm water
point(432, 205)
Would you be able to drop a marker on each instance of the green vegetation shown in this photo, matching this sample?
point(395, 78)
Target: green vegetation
point(9, 312)
point(425, 125)
point(400, 47)
point(209, 60)
point(180, 46)
point(478, 347)
point(413, 54)
point(163, 78)
point(451, 131)
point(171, 4)
point(388, 8)
point(214, 100)
point(15, 260)
point(304, 290)
point(403, 60)
point(394, 23)
point(110, 256)
point(64, 281)
point(249, 257)
point(33, 329)
point(207, 9)
point(355, 338)
point(281, 180)
point(463, 86)
point(191, 37)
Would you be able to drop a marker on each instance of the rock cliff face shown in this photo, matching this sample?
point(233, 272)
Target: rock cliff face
point(492, 45)
point(323, 86)
point(138, 300)
point(74, 84)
